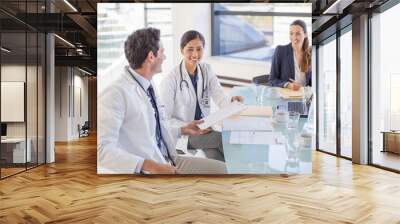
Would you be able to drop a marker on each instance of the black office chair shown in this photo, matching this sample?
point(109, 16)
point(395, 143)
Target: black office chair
point(261, 80)
point(84, 130)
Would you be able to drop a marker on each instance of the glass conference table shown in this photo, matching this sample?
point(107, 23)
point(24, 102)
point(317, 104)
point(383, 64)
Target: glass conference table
point(286, 158)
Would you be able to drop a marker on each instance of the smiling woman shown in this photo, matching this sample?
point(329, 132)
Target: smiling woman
point(191, 86)
point(291, 64)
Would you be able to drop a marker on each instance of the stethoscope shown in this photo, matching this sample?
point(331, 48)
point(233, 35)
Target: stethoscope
point(183, 81)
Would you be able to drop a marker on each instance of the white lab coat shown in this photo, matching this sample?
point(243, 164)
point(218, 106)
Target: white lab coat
point(126, 128)
point(180, 106)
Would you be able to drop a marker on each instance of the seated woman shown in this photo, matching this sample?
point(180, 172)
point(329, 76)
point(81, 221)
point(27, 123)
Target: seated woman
point(187, 92)
point(291, 64)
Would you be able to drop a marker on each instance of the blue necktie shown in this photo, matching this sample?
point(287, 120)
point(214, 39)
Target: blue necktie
point(198, 114)
point(159, 138)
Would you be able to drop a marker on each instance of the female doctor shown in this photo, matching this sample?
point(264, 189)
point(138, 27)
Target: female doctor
point(187, 92)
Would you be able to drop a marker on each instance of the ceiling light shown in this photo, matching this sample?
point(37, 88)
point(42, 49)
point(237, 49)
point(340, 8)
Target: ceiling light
point(64, 40)
point(5, 50)
point(86, 72)
point(338, 6)
point(70, 5)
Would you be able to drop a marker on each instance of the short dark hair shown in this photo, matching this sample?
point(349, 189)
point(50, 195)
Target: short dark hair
point(191, 35)
point(139, 44)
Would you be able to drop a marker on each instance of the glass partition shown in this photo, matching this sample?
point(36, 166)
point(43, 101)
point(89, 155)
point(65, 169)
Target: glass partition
point(327, 97)
point(41, 96)
point(31, 97)
point(22, 88)
point(346, 94)
point(385, 90)
point(13, 105)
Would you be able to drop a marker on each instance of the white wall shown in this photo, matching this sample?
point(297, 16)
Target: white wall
point(80, 83)
point(85, 98)
point(12, 73)
point(61, 103)
point(68, 83)
point(185, 16)
point(33, 126)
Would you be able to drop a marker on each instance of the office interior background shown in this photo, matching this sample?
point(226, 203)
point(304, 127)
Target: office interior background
point(357, 83)
point(48, 82)
point(49, 85)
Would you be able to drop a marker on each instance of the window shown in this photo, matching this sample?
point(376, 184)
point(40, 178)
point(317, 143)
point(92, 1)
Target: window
point(385, 85)
point(327, 96)
point(115, 21)
point(253, 30)
point(345, 93)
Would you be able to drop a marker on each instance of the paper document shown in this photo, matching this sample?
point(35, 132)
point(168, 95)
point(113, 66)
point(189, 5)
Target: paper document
point(182, 143)
point(290, 94)
point(257, 111)
point(245, 123)
point(256, 137)
point(231, 109)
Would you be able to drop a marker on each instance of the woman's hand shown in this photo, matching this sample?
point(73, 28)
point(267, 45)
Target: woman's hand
point(294, 86)
point(192, 129)
point(237, 98)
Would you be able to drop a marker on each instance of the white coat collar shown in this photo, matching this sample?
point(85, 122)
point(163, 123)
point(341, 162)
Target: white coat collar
point(140, 79)
point(186, 77)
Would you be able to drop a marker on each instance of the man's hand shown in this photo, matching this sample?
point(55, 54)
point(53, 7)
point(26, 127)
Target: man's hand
point(157, 168)
point(192, 129)
point(294, 86)
point(237, 98)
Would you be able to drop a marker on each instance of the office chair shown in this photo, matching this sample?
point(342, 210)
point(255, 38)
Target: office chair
point(84, 130)
point(261, 80)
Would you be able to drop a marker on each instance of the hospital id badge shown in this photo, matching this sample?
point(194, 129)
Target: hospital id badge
point(205, 102)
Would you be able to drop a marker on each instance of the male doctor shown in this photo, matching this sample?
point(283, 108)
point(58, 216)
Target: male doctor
point(132, 131)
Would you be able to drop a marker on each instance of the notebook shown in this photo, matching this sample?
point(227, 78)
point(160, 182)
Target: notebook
point(291, 94)
point(259, 111)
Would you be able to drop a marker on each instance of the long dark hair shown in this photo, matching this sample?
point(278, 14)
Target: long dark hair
point(305, 64)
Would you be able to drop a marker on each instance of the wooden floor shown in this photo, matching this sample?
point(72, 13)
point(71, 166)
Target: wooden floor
point(10, 171)
point(387, 159)
point(70, 191)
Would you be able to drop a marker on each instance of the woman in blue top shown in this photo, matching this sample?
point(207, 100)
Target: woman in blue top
point(291, 64)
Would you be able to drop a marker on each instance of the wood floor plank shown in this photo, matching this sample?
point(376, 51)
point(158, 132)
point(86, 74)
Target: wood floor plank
point(70, 191)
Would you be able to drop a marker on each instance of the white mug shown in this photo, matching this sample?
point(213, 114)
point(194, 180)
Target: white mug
point(306, 140)
point(282, 116)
